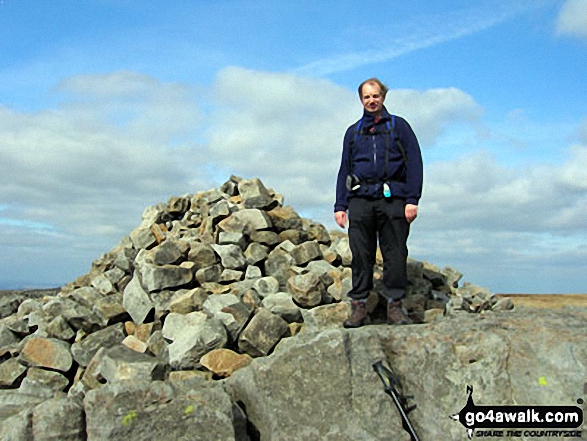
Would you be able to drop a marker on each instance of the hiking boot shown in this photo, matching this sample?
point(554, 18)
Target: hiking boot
point(358, 314)
point(396, 314)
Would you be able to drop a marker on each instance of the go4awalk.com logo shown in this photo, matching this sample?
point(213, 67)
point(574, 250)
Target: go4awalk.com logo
point(518, 421)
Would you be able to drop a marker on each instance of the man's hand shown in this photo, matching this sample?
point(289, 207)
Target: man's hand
point(341, 218)
point(411, 212)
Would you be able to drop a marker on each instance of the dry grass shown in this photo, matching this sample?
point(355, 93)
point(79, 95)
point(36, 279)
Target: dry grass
point(548, 300)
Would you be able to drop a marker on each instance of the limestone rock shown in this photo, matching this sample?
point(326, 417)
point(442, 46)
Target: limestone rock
point(7, 337)
point(136, 301)
point(192, 336)
point(285, 218)
point(159, 277)
point(255, 253)
point(143, 238)
point(11, 371)
point(254, 194)
point(325, 316)
point(169, 252)
point(278, 264)
point(246, 221)
point(253, 273)
point(233, 238)
point(16, 411)
point(290, 393)
point(85, 349)
point(121, 363)
point(110, 309)
point(229, 276)
point(60, 329)
point(306, 252)
point(343, 249)
point(188, 301)
point(306, 289)
point(43, 383)
point(157, 410)
point(231, 256)
point(317, 232)
point(177, 206)
point(60, 419)
point(239, 316)
point(78, 316)
point(266, 286)
point(262, 333)
point(209, 274)
point(282, 304)
point(202, 255)
point(222, 210)
point(266, 238)
point(48, 353)
point(224, 362)
point(215, 303)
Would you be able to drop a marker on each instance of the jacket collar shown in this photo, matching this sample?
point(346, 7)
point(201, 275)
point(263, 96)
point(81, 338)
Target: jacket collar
point(369, 118)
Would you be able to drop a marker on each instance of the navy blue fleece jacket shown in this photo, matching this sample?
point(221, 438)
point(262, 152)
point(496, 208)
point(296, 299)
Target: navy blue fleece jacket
point(376, 158)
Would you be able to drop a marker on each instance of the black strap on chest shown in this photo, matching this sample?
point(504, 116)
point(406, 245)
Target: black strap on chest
point(391, 132)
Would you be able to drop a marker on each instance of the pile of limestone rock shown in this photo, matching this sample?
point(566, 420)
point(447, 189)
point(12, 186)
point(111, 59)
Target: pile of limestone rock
point(205, 283)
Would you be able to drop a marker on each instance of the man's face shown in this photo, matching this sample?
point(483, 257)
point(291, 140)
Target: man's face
point(372, 98)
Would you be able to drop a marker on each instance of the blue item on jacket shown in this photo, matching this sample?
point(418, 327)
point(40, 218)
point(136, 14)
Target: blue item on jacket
point(379, 152)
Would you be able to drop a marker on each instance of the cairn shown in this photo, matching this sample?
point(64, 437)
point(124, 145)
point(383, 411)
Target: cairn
point(204, 284)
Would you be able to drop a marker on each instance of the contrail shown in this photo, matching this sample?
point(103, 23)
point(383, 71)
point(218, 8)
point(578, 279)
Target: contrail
point(432, 31)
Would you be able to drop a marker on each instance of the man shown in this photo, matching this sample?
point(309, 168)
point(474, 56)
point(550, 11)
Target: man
point(379, 184)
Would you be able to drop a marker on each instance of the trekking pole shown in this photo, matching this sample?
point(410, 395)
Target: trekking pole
point(392, 387)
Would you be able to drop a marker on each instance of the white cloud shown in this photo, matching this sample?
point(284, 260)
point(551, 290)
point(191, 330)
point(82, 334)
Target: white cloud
point(289, 129)
point(476, 190)
point(572, 19)
point(89, 166)
point(433, 111)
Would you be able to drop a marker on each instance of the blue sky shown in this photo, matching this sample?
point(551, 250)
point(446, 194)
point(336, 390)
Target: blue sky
point(107, 107)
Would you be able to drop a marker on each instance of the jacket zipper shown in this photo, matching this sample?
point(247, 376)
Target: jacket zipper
point(375, 156)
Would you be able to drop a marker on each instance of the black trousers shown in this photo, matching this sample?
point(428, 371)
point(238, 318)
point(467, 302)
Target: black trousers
point(384, 221)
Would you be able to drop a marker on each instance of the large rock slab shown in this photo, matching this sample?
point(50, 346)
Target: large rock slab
point(321, 385)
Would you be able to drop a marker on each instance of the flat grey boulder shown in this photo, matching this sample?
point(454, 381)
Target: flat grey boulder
point(144, 410)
